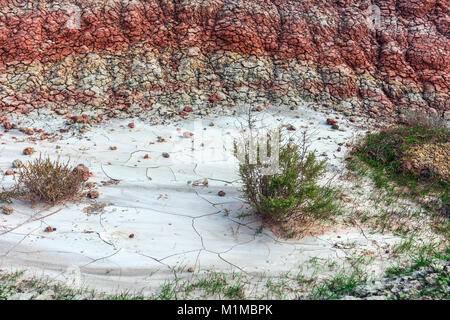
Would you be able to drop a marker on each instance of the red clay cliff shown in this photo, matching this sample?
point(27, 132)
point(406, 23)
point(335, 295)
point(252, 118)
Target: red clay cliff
point(378, 56)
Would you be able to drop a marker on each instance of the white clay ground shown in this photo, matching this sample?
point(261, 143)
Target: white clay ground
point(177, 222)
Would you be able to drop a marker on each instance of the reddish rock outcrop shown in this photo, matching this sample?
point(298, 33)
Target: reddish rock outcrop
point(350, 54)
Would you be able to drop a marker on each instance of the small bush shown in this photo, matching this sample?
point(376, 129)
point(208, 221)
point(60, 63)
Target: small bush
point(51, 181)
point(292, 192)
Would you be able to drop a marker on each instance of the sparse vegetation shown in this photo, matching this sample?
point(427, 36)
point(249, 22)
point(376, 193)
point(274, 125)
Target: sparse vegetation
point(414, 157)
point(293, 192)
point(419, 271)
point(48, 181)
point(6, 195)
point(342, 284)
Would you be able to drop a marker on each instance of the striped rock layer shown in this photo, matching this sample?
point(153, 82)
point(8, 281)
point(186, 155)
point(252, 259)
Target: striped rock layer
point(378, 55)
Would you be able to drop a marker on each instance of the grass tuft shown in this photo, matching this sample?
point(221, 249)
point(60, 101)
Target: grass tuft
point(51, 181)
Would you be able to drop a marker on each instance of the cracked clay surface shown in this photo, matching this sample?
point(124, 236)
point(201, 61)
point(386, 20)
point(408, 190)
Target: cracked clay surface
point(176, 219)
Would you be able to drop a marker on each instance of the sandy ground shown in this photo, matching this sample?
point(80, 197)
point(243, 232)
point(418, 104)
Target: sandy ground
point(177, 221)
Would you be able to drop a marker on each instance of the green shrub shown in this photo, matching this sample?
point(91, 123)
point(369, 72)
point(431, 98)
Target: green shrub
point(293, 191)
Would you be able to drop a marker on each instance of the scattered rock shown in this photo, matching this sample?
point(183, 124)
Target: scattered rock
point(83, 170)
point(447, 115)
point(17, 164)
point(90, 185)
point(221, 193)
point(8, 210)
point(131, 236)
point(131, 125)
point(113, 148)
point(291, 128)
point(49, 229)
point(331, 121)
point(28, 131)
point(93, 194)
point(201, 182)
point(166, 155)
point(409, 286)
point(9, 172)
point(28, 151)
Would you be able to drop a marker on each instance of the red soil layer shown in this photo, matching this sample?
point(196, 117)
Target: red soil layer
point(411, 46)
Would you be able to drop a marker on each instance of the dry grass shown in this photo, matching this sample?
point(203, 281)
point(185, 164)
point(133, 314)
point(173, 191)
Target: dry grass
point(50, 181)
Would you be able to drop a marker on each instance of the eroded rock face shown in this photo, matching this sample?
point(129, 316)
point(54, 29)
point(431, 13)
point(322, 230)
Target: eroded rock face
point(381, 55)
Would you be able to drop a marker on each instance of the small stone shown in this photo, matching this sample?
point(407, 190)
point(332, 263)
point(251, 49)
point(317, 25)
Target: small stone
point(9, 172)
point(352, 119)
point(221, 193)
point(82, 170)
point(331, 121)
point(85, 128)
point(187, 109)
point(90, 185)
point(291, 127)
point(28, 131)
point(211, 124)
point(131, 125)
point(49, 229)
point(7, 210)
point(165, 154)
point(131, 236)
point(335, 127)
point(187, 134)
point(113, 148)
point(447, 115)
point(28, 151)
point(93, 194)
point(147, 156)
point(17, 164)
point(191, 270)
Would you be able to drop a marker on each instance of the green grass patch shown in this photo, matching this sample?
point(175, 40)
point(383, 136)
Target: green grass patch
point(388, 155)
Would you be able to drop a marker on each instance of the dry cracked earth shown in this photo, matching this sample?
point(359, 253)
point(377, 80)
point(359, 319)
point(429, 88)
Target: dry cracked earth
point(75, 74)
point(169, 205)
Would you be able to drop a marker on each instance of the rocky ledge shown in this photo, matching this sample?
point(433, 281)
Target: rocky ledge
point(428, 282)
point(374, 56)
